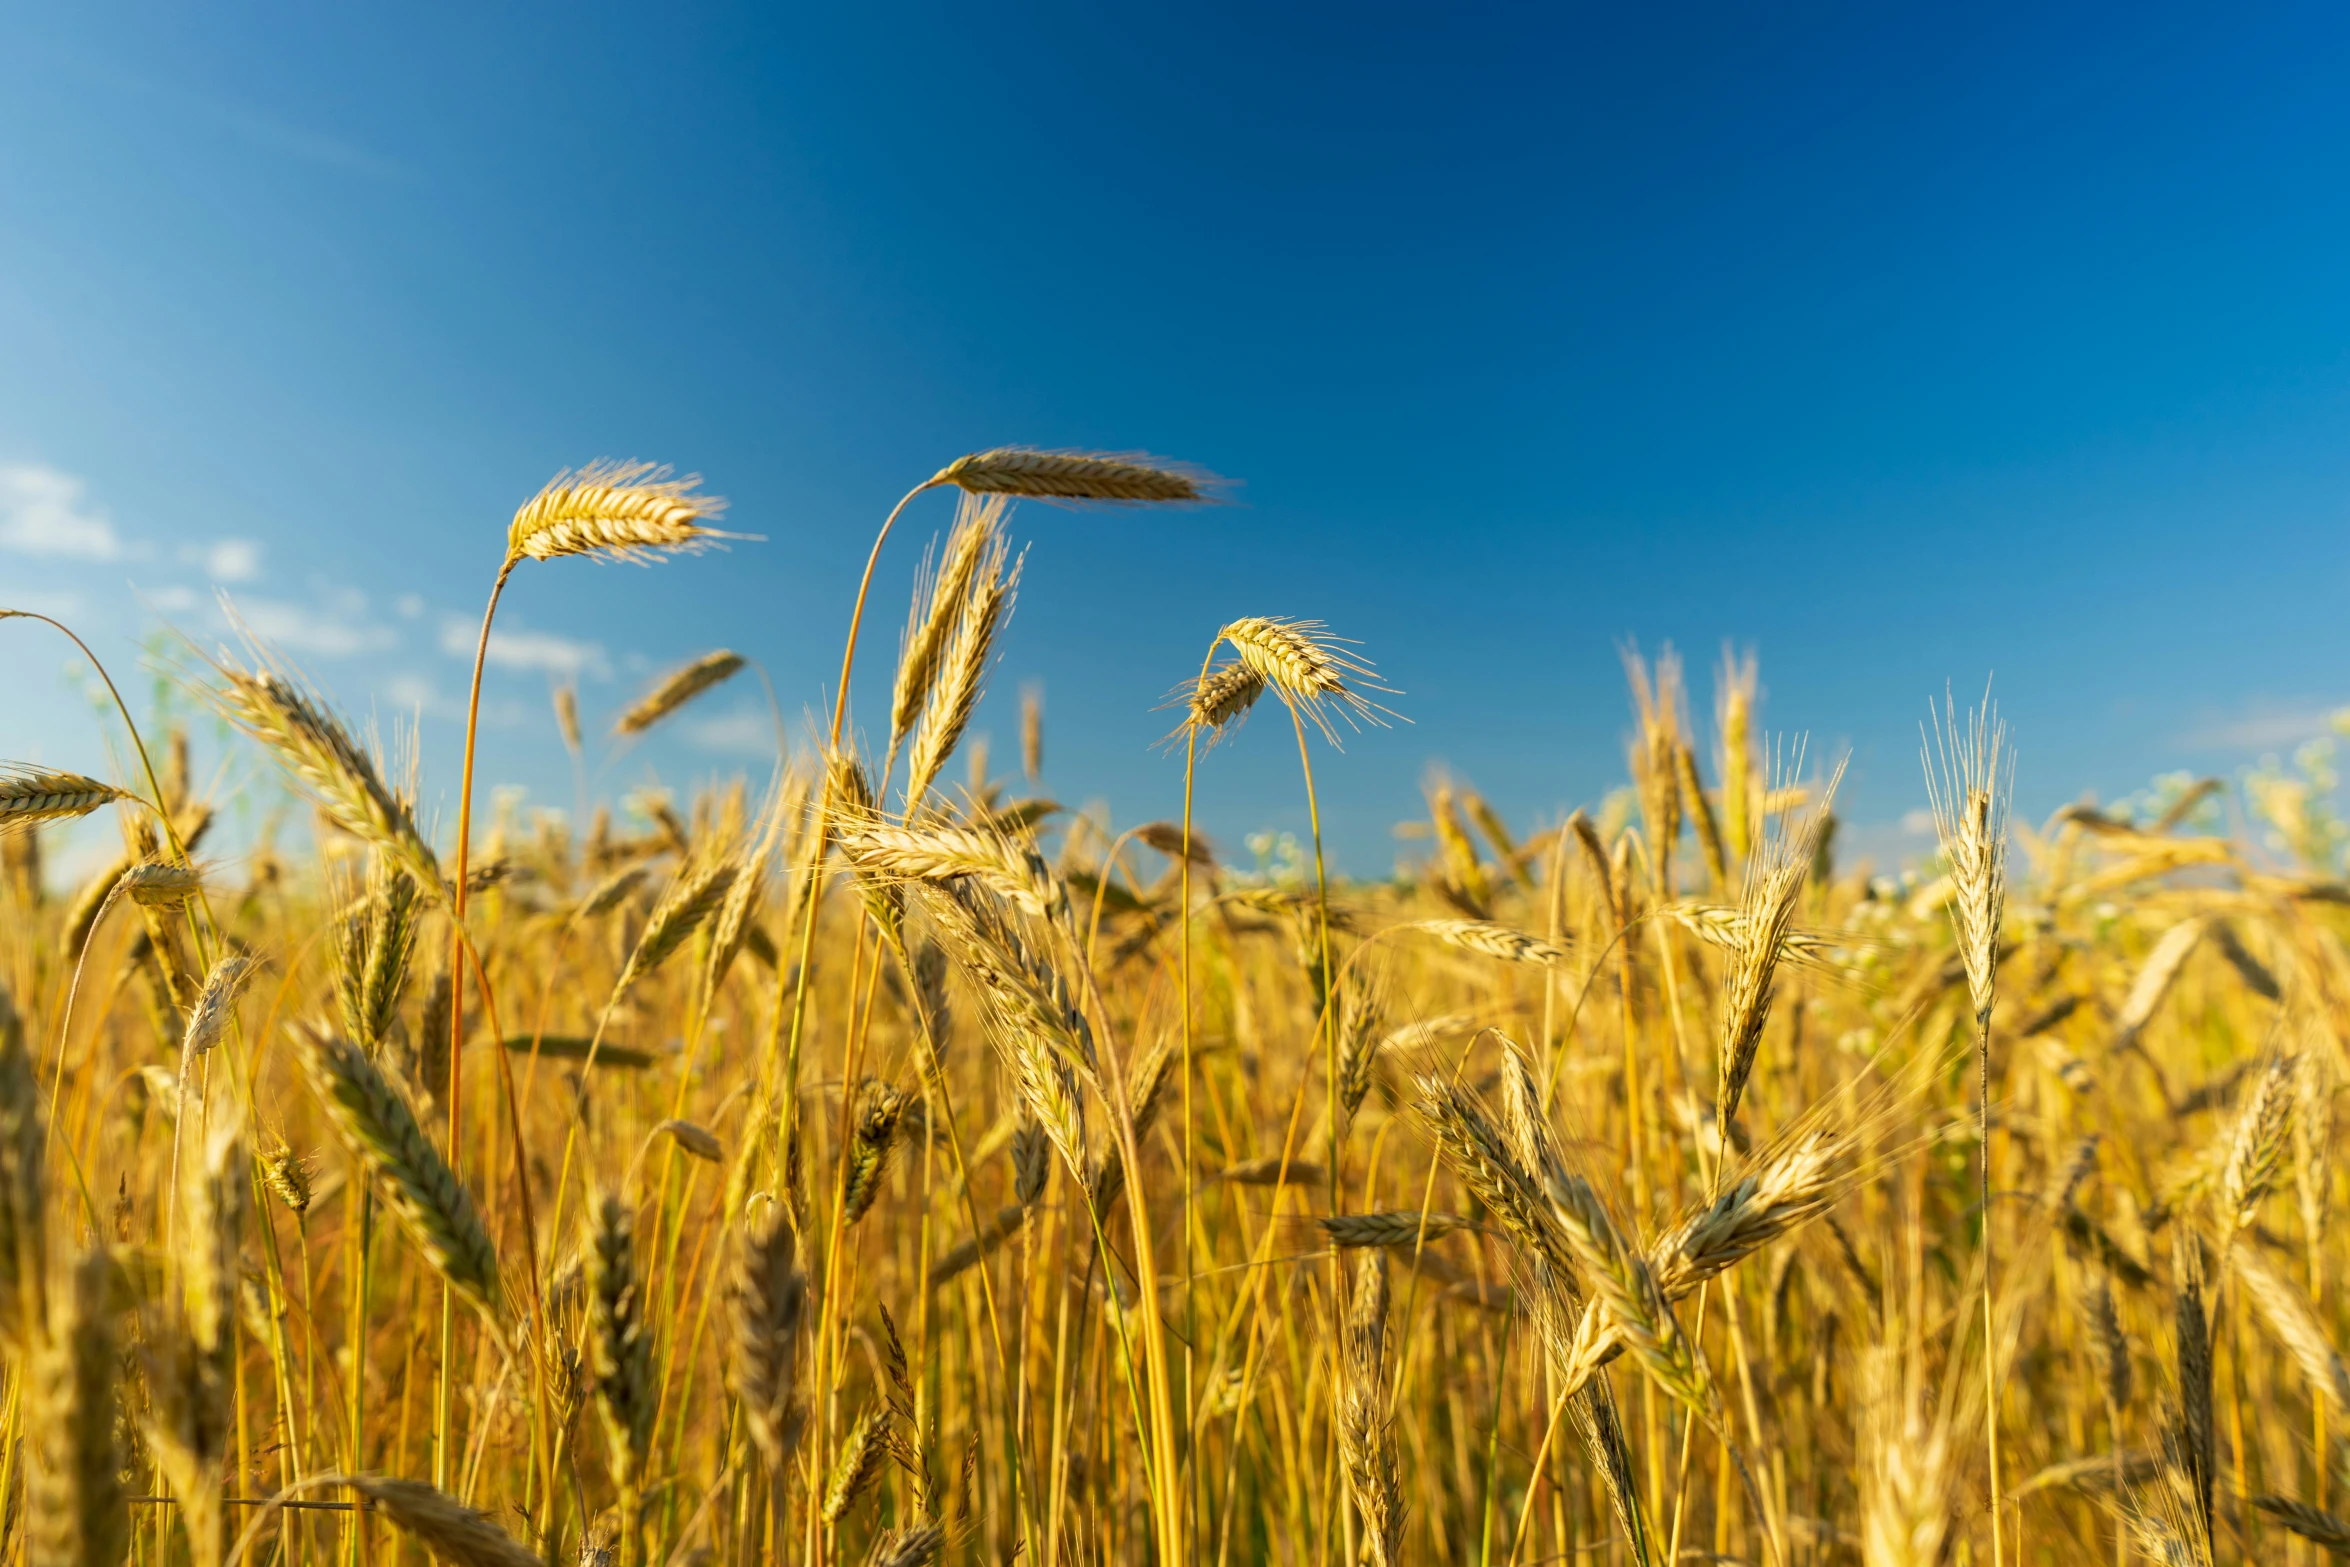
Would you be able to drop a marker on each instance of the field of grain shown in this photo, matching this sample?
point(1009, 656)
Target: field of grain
point(878, 1162)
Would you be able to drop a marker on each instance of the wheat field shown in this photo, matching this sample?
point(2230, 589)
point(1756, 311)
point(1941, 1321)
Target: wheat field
point(876, 1161)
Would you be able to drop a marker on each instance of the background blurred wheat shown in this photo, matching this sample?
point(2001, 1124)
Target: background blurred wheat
point(852, 1167)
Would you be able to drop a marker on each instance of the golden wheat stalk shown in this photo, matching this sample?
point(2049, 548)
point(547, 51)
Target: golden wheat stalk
point(624, 511)
point(1075, 476)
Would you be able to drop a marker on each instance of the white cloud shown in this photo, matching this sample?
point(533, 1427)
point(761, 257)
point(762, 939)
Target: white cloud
point(173, 600)
point(519, 649)
point(43, 512)
point(336, 626)
point(410, 605)
point(1918, 823)
point(2261, 726)
point(744, 732)
point(225, 560)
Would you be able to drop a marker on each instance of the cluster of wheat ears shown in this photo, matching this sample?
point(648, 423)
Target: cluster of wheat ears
point(868, 1166)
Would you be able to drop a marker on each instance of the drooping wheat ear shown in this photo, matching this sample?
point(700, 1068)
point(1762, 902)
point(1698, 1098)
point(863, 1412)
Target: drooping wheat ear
point(31, 795)
point(287, 1174)
point(334, 769)
point(159, 884)
point(1030, 1019)
point(2256, 1148)
point(695, 1139)
point(1485, 1163)
point(620, 1349)
point(1970, 775)
point(215, 1002)
point(1622, 1281)
point(1011, 870)
point(2311, 1523)
point(1307, 668)
point(1776, 869)
point(24, 1218)
point(1076, 476)
point(691, 897)
point(1366, 1438)
point(875, 1138)
point(609, 893)
point(854, 1472)
point(2197, 1436)
point(675, 689)
point(451, 1531)
point(1787, 1189)
point(1216, 704)
point(767, 1303)
point(939, 600)
point(1493, 941)
point(631, 511)
point(963, 664)
point(2285, 1308)
point(970, 1251)
point(380, 1129)
point(1394, 1227)
point(76, 1512)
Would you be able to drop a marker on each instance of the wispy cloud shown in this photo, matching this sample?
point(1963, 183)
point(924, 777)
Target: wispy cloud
point(225, 560)
point(746, 731)
point(336, 625)
point(520, 649)
point(45, 511)
point(2261, 725)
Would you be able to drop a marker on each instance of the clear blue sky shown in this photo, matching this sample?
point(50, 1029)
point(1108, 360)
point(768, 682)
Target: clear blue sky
point(1901, 346)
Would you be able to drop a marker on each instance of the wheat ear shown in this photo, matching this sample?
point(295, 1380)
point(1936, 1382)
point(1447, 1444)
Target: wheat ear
point(629, 511)
point(675, 689)
point(418, 1185)
point(31, 795)
point(1075, 476)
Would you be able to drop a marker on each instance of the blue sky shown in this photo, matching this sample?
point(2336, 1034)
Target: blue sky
point(1901, 346)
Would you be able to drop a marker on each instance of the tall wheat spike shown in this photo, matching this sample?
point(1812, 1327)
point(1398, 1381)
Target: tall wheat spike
point(1970, 775)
